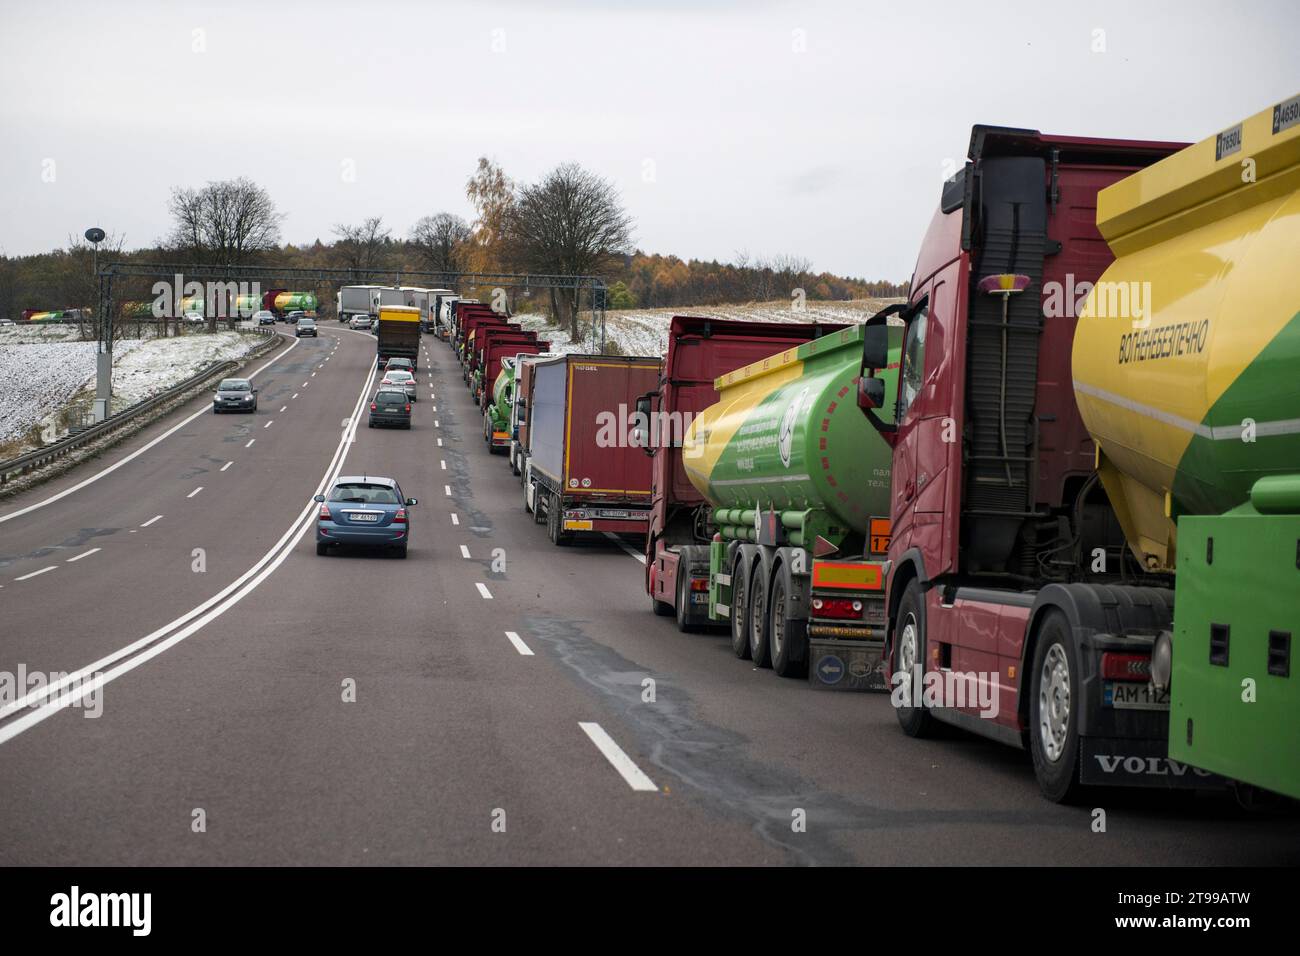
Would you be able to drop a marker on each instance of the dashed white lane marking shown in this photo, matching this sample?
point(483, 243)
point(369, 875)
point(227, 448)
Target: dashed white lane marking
point(439, 442)
point(436, 423)
point(443, 463)
point(446, 490)
point(519, 644)
point(226, 465)
point(313, 374)
point(55, 567)
point(434, 408)
point(624, 764)
point(464, 551)
point(194, 492)
point(250, 443)
point(455, 519)
point(625, 546)
point(84, 554)
point(295, 395)
point(305, 384)
point(269, 424)
point(284, 408)
point(482, 589)
point(151, 521)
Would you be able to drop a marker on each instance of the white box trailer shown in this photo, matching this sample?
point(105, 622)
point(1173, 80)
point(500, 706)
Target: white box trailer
point(382, 295)
point(353, 300)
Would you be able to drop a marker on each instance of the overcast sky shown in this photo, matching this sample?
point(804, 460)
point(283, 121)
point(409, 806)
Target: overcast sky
point(815, 129)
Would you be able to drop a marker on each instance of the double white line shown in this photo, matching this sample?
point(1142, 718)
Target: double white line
point(49, 700)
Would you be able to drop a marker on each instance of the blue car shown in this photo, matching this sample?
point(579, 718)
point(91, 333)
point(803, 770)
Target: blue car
point(364, 510)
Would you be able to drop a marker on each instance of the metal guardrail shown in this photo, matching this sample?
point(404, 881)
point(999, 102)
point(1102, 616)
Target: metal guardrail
point(57, 449)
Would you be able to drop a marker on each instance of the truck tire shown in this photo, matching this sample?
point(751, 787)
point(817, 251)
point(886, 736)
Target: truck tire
point(909, 652)
point(537, 505)
point(740, 569)
point(555, 522)
point(1054, 711)
point(684, 622)
point(789, 637)
point(757, 621)
point(661, 608)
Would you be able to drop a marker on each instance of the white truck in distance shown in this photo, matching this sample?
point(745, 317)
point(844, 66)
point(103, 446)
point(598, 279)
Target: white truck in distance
point(353, 300)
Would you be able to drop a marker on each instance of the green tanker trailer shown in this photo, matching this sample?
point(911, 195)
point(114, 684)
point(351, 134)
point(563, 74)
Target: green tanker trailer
point(798, 484)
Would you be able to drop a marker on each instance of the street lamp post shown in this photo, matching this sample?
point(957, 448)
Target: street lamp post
point(104, 350)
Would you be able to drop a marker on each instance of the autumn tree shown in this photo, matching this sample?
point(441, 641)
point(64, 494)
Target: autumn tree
point(440, 241)
point(491, 193)
point(363, 247)
point(570, 223)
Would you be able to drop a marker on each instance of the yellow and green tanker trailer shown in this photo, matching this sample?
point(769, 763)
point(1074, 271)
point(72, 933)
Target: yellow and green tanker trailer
point(798, 484)
point(1193, 400)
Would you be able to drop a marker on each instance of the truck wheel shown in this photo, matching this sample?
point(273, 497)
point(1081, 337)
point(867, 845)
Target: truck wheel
point(757, 622)
point(537, 505)
point(661, 608)
point(1054, 710)
point(555, 522)
point(789, 636)
point(909, 657)
point(739, 604)
point(684, 622)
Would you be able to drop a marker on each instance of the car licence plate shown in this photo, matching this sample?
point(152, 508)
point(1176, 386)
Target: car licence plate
point(361, 516)
point(1125, 695)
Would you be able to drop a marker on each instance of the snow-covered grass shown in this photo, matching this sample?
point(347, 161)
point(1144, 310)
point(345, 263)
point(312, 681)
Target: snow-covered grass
point(645, 331)
point(46, 380)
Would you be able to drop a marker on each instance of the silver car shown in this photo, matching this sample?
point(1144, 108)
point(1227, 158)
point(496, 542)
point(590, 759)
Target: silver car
point(234, 395)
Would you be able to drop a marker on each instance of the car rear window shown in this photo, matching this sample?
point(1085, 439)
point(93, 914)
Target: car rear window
point(364, 492)
point(398, 375)
point(389, 398)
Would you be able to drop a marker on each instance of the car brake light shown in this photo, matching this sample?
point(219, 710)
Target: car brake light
point(408, 406)
point(324, 513)
point(400, 517)
point(373, 406)
point(1134, 667)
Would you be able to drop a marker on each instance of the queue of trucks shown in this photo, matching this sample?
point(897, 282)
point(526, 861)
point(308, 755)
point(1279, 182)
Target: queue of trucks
point(1052, 499)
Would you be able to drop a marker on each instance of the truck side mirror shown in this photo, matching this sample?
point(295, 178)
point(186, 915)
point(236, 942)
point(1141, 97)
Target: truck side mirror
point(875, 347)
point(871, 394)
point(641, 431)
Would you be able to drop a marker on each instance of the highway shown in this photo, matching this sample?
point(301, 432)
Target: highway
point(490, 700)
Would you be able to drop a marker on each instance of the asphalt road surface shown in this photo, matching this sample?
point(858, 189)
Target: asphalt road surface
point(491, 699)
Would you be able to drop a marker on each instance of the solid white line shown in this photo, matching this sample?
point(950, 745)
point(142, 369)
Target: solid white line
point(482, 589)
point(625, 546)
point(232, 594)
point(226, 465)
point(250, 443)
point(84, 554)
point(151, 521)
point(624, 764)
point(520, 646)
point(464, 551)
point(455, 519)
point(194, 492)
point(269, 424)
point(55, 567)
point(135, 454)
point(446, 489)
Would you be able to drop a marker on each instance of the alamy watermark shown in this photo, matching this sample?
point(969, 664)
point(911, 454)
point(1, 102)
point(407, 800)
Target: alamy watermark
point(54, 687)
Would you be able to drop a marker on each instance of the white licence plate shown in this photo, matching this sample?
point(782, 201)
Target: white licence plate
point(364, 517)
point(1125, 695)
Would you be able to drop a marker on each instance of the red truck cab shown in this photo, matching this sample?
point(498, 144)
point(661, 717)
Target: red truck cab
point(1011, 598)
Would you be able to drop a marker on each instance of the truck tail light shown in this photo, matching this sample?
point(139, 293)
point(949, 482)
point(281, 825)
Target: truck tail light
point(1134, 667)
point(843, 608)
point(699, 584)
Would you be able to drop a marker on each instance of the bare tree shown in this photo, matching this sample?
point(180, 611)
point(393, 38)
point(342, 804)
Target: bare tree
point(225, 223)
point(363, 247)
point(440, 241)
point(570, 223)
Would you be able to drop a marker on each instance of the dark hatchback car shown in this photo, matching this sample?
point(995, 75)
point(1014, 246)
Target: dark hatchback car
point(306, 326)
point(234, 395)
point(364, 510)
point(391, 406)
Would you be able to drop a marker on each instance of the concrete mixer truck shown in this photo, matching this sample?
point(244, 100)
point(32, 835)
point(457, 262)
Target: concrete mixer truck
point(1087, 423)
